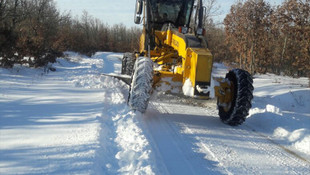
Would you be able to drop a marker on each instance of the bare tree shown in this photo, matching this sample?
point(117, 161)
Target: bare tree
point(247, 28)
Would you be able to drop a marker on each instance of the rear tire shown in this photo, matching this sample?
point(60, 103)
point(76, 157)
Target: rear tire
point(141, 85)
point(242, 96)
point(128, 62)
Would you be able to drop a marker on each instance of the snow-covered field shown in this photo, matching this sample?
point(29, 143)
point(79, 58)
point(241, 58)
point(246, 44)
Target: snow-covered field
point(76, 121)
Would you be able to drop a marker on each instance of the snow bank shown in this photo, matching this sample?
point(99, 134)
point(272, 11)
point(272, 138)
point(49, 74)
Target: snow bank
point(122, 138)
point(135, 149)
point(281, 110)
point(124, 148)
point(72, 121)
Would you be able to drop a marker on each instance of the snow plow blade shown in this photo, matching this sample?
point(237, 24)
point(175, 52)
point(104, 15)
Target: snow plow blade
point(125, 78)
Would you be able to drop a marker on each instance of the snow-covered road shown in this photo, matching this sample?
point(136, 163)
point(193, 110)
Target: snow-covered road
point(197, 138)
point(76, 121)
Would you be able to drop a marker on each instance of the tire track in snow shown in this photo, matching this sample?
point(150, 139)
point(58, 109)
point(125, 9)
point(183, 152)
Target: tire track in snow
point(173, 149)
point(236, 149)
point(271, 153)
point(287, 162)
point(281, 147)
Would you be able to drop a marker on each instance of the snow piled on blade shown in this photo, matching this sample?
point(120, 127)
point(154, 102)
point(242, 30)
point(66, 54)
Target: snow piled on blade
point(168, 85)
point(188, 88)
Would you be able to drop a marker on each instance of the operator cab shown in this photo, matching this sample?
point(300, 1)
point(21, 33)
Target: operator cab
point(161, 15)
point(174, 12)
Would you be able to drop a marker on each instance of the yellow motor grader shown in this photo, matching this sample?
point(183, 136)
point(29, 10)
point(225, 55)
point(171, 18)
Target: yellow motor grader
point(173, 47)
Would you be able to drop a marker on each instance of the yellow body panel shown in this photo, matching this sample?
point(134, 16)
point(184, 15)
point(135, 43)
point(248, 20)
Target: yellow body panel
point(178, 44)
point(141, 43)
point(179, 61)
point(197, 65)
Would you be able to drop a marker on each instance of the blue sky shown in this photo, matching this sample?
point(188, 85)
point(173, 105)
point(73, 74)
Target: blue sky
point(122, 11)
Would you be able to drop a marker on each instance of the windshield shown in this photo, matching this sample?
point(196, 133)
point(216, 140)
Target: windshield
point(177, 12)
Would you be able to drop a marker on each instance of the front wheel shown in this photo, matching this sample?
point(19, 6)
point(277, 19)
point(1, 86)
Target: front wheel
point(141, 85)
point(128, 62)
point(236, 111)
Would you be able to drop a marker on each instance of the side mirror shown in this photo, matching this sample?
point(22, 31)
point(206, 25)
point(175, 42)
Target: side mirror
point(138, 11)
point(139, 5)
point(199, 18)
point(137, 19)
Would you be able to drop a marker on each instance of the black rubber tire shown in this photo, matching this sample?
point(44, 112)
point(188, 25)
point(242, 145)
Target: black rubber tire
point(141, 85)
point(128, 62)
point(243, 95)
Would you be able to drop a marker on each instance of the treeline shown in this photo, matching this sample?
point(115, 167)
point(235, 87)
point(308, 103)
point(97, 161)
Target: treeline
point(34, 32)
point(256, 36)
point(262, 38)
